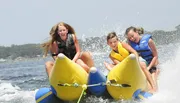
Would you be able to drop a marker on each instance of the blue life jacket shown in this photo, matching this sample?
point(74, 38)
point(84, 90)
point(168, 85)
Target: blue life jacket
point(143, 48)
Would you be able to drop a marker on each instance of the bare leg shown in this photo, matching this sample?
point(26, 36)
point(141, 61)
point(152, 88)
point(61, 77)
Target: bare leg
point(87, 59)
point(83, 65)
point(49, 66)
point(154, 76)
point(108, 66)
point(148, 76)
point(157, 71)
point(149, 87)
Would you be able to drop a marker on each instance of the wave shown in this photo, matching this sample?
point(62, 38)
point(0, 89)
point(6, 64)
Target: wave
point(17, 77)
point(168, 80)
point(14, 94)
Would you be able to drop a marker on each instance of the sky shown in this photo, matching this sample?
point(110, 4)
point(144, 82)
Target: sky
point(29, 21)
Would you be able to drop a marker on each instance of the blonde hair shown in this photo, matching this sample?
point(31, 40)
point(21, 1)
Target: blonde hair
point(54, 36)
point(139, 30)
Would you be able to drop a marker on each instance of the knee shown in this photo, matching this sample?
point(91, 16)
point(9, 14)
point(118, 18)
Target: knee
point(48, 64)
point(87, 54)
point(81, 63)
point(143, 65)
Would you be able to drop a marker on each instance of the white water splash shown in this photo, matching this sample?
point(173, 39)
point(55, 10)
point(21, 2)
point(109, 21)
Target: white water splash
point(10, 93)
point(168, 81)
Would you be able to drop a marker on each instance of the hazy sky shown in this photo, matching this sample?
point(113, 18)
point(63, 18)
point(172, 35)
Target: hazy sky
point(29, 21)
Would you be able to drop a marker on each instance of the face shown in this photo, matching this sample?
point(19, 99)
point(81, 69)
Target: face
point(113, 43)
point(133, 36)
point(62, 31)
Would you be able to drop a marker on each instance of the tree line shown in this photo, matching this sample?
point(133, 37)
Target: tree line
point(26, 50)
point(91, 44)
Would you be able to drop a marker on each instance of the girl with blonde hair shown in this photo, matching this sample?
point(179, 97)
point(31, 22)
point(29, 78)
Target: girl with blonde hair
point(64, 40)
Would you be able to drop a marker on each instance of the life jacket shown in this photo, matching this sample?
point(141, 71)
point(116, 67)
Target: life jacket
point(143, 48)
point(122, 53)
point(67, 47)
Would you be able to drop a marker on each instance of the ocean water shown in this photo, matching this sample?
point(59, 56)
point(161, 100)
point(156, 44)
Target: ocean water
point(19, 80)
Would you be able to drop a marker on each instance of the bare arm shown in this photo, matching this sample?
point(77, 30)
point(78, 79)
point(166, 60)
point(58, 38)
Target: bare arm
point(54, 49)
point(77, 48)
point(154, 53)
point(129, 48)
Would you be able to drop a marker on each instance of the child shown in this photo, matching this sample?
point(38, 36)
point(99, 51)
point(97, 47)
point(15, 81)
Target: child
point(146, 48)
point(120, 50)
point(63, 40)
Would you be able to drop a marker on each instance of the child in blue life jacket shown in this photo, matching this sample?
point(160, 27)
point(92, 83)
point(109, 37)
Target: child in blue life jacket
point(146, 48)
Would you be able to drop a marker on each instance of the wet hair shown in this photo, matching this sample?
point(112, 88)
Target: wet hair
point(140, 30)
point(54, 35)
point(111, 35)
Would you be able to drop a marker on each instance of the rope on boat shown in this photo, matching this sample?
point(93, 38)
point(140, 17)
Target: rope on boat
point(93, 85)
point(85, 86)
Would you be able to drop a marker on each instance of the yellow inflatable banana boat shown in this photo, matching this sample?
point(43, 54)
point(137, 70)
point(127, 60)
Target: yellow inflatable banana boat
point(129, 73)
point(66, 71)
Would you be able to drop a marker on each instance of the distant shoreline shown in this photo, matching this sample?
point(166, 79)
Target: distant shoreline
point(92, 44)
